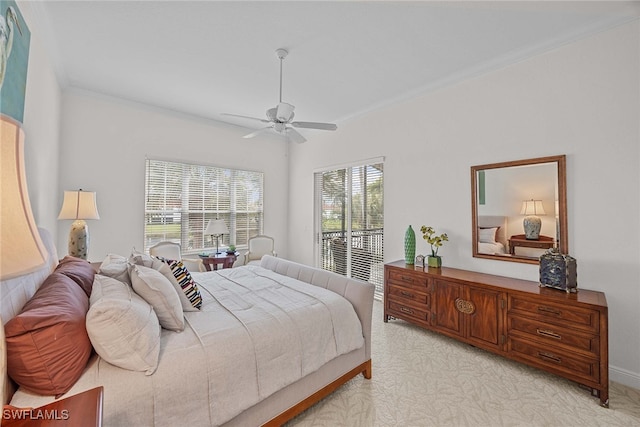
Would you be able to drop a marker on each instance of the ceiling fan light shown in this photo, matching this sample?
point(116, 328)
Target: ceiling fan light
point(284, 112)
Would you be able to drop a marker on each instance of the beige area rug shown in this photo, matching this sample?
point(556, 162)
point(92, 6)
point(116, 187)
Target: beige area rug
point(421, 378)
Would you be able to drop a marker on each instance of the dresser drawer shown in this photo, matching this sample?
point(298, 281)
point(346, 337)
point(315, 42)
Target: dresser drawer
point(556, 314)
point(553, 359)
point(402, 311)
point(572, 340)
point(409, 294)
point(408, 279)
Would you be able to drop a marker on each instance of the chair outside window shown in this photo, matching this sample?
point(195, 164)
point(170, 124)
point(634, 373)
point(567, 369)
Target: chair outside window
point(258, 247)
point(172, 250)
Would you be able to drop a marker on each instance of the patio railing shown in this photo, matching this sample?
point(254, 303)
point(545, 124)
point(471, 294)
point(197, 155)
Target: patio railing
point(367, 256)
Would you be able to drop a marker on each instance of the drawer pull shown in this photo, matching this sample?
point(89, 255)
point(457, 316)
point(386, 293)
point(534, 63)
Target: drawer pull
point(549, 334)
point(406, 310)
point(407, 279)
point(407, 294)
point(549, 310)
point(549, 356)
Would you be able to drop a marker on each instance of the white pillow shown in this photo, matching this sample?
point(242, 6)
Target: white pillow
point(115, 266)
point(140, 258)
point(158, 291)
point(122, 327)
point(487, 235)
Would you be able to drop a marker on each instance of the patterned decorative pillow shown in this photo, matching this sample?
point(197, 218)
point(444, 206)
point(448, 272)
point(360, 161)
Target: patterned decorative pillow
point(187, 288)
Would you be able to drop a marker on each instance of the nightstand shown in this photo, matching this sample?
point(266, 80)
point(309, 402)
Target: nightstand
point(80, 410)
point(543, 242)
point(224, 259)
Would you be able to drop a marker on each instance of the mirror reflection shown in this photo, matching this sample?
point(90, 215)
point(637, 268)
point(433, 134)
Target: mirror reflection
point(519, 209)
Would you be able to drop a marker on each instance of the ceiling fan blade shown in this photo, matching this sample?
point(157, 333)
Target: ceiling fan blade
point(245, 117)
point(295, 136)
point(314, 125)
point(257, 132)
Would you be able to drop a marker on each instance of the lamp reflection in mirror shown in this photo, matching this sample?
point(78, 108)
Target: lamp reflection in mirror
point(21, 249)
point(216, 228)
point(79, 205)
point(532, 222)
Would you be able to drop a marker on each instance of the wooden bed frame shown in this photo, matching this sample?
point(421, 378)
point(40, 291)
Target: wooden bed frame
point(305, 404)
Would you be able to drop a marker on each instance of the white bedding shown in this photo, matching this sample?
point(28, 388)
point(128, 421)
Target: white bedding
point(496, 248)
point(260, 332)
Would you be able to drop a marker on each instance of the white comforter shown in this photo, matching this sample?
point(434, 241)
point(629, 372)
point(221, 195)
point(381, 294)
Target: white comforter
point(496, 248)
point(257, 332)
point(273, 329)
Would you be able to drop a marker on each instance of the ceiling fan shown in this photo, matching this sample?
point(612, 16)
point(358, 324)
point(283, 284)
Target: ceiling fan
point(280, 117)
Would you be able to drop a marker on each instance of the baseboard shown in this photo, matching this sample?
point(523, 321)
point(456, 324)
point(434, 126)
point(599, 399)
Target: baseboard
point(619, 375)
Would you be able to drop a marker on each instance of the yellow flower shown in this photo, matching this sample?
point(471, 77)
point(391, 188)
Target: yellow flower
point(428, 234)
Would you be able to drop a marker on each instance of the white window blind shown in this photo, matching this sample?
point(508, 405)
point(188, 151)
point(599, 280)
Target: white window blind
point(181, 198)
point(350, 222)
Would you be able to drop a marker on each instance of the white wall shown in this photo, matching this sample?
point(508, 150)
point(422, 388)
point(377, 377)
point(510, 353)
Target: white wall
point(106, 142)
point(581, 100)
point(41, 125)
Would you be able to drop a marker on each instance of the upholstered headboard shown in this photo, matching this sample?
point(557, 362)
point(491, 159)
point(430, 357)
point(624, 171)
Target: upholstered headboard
point(14, 294)
point(488, 221)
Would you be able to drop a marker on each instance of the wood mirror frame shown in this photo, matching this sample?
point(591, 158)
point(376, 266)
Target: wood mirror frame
point(479, 187)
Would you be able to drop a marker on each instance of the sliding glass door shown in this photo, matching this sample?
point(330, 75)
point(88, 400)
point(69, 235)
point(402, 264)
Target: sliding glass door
point(350, 221)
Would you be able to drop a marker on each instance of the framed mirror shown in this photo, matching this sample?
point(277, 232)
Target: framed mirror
point(519, 209)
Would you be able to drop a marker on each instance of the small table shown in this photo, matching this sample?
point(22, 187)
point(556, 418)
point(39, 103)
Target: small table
point(80, 410)
point(212, 262)
point(543, 242)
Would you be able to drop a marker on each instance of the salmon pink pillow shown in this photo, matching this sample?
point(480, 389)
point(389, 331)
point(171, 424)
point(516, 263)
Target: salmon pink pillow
point(47, 343)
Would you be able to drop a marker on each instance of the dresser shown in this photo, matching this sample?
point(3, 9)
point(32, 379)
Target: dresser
point(562, 333)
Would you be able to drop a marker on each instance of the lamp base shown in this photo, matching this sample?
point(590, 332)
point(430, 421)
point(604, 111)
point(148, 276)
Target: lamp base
point(532, 225)
point(79, 239)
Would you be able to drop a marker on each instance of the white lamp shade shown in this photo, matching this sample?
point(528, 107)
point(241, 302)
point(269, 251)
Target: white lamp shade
point(532, 207)
point(21, 249)
point(216, 227)
point(79, 205)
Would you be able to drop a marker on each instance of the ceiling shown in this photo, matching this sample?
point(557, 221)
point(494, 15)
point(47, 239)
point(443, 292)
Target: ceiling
point(204, 58)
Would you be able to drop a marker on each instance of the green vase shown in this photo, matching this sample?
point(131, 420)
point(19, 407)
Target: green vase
point(434, 261)
point(409, 246)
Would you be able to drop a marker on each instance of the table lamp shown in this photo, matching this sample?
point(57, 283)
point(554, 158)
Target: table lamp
point(216, 228)
point(21, 248)
point(532, 223)
point(79, 205)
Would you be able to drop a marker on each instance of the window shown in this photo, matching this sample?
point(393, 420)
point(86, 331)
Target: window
point(181, 198)
point(350, 221)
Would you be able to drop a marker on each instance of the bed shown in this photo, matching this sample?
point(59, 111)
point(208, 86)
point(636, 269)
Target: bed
point(492, 235)
point(254, 353)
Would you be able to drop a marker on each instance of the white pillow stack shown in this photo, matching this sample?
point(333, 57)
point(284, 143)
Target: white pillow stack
point(122, 327)
point(132, 299)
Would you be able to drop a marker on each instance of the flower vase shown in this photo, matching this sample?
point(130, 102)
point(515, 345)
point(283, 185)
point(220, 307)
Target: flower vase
point(434, 261)
point(409, 246)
